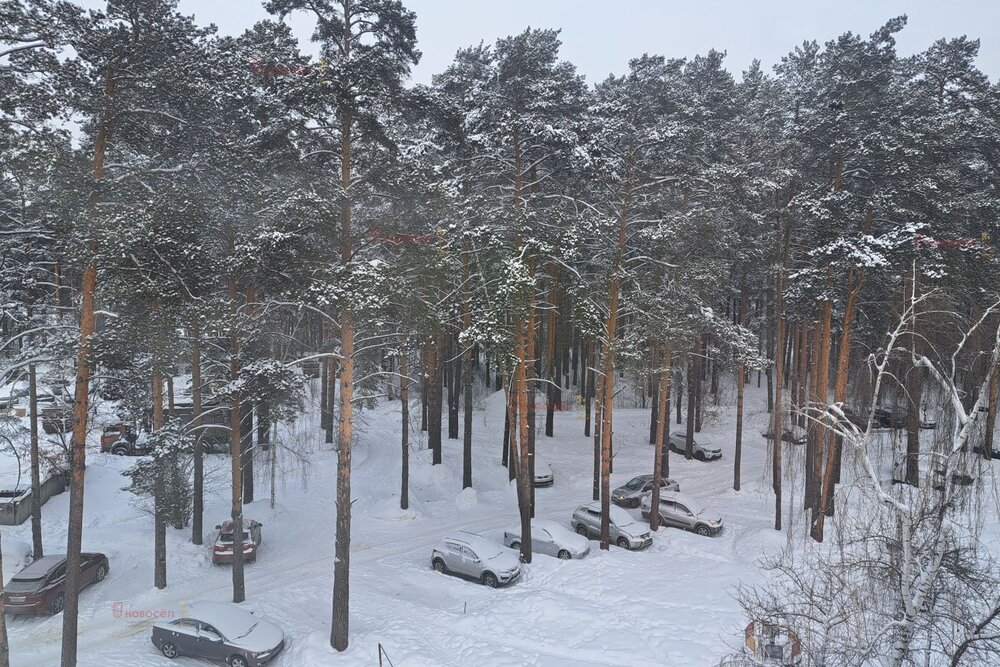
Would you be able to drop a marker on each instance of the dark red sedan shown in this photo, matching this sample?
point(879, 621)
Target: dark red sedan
point(38, 588)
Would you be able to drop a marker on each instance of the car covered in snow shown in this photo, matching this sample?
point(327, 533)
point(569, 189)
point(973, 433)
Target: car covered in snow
point(543, 473)
point(40, 587)
point(678, 444)
point(473, 556)
point(222, 550)
point(624, 530)
point(680, 511)
point(551, 539)
point(219, 631)
point(629, 494)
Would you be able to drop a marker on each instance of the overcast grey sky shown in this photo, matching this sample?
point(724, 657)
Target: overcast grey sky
point(601, 36)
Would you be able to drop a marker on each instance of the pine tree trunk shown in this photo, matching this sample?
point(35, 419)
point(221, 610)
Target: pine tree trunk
point(521, 453)
point(198, 502)
point(36, 481)
point(654, 408)
point(324, 398)
point(467, 375)
point(608, 365)
point(598, 428)
point(551, 391)
point(821, 398)
point(692, 390)
point(660, 451)
point(532, 377)
point(588, 389)
point(342, 548)
point(159, 491)
point(453, 380)
point(778, 375)
point(404, 403)
point(247, 450)
point(434, 396)
point(741, 373)
point(331, 399)
point(236, 456)
point(81, 403)
point(680, 393)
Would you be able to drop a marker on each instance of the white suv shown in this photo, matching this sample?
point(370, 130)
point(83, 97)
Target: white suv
point(473, 556)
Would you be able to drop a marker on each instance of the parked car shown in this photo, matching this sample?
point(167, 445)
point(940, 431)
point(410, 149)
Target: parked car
point(222, 551)
point(56, 420)
point(685, 512)
point(220, 631)
point(39, 588)
point(551, 539)
point(994, 451)
point(787, 435)
point(543, 474)
point(473, 556)
point(624, 530)
point(678, 444)
point(631, 493)
point(122, 440)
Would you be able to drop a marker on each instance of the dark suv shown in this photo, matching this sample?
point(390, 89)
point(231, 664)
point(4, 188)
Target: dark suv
point(38, 588)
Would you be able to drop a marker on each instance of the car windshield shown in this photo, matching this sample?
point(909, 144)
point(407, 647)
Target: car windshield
point(635, 484)
point(24, 585)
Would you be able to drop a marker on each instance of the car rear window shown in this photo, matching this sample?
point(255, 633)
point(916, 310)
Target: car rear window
point(228, 537)
point(24, 585)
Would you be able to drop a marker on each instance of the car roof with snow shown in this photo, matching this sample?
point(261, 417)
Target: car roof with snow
point(618, 516)
point(232, 621)
point(692, 504)
point(553, 527)
point(483, 546)
point(45, 564)
point(40, 567)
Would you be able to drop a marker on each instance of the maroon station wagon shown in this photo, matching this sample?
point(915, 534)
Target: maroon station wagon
point(38, 588)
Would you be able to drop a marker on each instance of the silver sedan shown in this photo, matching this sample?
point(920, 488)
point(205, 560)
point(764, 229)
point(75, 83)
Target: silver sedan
point(551, 539)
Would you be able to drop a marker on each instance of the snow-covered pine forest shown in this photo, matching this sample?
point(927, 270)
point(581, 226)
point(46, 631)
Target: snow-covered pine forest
point(251, 280)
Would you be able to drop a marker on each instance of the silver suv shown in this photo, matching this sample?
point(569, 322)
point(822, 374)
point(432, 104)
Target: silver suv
point(630, 494)
point(473, 556)
point(678, 444)
point(624, 531)
point(685, 512)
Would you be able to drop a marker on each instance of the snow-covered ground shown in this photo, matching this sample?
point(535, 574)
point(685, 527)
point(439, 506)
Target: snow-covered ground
point(668, 605)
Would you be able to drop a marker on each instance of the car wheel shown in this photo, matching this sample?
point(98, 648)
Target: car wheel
point(515, 545)
point(699, 456)
point(101, 573)
point(634, 503)
point(168, 650)
point(120, 451)
point(439, 565)
point(565, 555)
point(490, 580)
point(238, 661)
point(622, 542)
point(702, 530)
point(582, 530)
point(58, 603)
